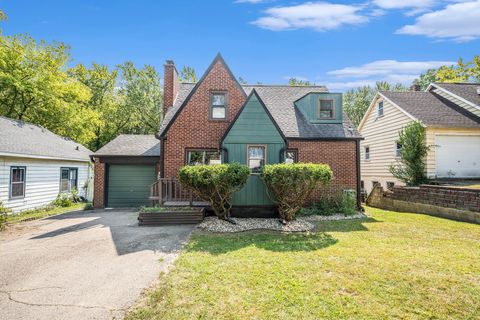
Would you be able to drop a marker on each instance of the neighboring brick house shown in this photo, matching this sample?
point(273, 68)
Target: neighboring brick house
point(219, 120)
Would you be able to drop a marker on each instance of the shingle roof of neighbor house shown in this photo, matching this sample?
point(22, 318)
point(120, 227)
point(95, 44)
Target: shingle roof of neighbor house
point(131, 145)
point(279, 100)
point(432, 109)
point(18, 138)
point(467, 91)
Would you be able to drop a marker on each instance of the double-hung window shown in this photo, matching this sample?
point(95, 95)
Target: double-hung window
point(198, 157)
point(380, 109)
point(68, 179)
point(398, 149)
point(218, 105)
point(256, 156)
point(326, 109)
point(17, 182)
point(367, 153)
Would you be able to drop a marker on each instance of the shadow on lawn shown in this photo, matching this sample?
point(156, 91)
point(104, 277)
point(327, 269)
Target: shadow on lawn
point(277, 242)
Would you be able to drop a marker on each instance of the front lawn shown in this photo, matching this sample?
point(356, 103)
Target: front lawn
point(392, 265)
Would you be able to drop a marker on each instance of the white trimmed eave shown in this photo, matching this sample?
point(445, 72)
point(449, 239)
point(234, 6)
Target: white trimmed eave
point(34, 156)
point(434, 85)
point(374, 102)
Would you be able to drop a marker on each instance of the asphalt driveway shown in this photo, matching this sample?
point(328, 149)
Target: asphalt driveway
point(82, 265)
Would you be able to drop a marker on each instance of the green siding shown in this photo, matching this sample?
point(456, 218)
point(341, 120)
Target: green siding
point(253, 126)
point(129, 185)
point(308, 105)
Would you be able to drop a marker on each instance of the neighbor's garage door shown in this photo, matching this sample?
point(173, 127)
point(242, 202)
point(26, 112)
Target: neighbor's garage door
point(457, 156)
point(129, 185)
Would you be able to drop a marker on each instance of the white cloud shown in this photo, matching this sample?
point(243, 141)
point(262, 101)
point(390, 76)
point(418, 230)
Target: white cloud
point(319, 16)
point(459, 22)
point(404, 4)
point(388, 68)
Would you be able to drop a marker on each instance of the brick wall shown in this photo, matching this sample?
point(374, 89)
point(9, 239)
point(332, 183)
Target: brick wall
point(193, 128)
point(339, 155)
point(442, 196)
point(99, 184)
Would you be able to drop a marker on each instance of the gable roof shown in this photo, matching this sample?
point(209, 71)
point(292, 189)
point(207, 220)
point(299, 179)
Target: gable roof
point(253, 93)
point(23, 139)
point(279, 101)
point(464, 91)
point(179, 104)
point(131, 145)
point(432, 109)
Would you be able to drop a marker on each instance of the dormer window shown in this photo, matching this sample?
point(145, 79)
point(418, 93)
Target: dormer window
point(380, 109)
point(218, 105)
point(326, 109)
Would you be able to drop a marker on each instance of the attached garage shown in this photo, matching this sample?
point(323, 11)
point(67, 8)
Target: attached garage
point(125, 168)
point(129, 185)
point(457, 156)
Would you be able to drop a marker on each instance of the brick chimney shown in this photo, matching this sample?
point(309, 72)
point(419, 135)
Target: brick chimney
point(170, 85)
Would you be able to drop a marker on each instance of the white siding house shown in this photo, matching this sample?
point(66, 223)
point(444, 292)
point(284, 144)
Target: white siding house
point(452, 131)
point(36, 165)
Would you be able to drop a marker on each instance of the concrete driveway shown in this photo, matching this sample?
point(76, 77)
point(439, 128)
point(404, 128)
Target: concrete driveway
point(82, 265)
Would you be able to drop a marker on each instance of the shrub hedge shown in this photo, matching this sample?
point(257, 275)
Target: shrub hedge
point(292, 184)
point(215, 184)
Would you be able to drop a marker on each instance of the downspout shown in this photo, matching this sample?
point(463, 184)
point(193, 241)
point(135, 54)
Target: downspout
point(224, 154)
point(281, 155)
point(357, 154)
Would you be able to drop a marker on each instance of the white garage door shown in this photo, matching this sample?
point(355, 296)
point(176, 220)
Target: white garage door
point(458, 156)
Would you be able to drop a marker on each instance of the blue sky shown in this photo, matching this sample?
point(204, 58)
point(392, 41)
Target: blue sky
point(338, 43)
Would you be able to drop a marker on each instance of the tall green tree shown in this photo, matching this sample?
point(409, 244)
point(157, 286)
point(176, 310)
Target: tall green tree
point(141, 94)
point(35, 87)
point(187, 74)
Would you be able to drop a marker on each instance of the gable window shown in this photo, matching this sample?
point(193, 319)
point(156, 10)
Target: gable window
point(256, 158)
point(380, 109)
point(17, 182)
point(398, 149)
point(198, 157)
point(367, 153)
point(68, 179)
point(218, 105)
point(291, 156)
point(326, 109)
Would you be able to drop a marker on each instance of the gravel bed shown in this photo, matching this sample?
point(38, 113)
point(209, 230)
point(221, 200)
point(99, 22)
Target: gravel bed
point(302, 224)
point(213, 224)
point(340, 216)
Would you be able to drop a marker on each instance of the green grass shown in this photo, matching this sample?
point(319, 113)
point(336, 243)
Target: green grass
point(42, 213)
point(389, 266)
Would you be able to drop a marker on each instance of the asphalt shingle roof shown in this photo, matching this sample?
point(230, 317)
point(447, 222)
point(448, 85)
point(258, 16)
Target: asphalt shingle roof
point(279, 100)
point(467, 91)
point(432, 109)
point(131, 145)
point(23, 138)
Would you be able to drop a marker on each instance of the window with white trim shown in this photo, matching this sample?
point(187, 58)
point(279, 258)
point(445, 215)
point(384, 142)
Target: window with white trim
point(367, 153)
point(68, 179)
point(256, 158)
point(17, 182)
point(380, 109)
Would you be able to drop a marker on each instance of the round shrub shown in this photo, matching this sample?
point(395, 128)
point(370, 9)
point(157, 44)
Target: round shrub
point(292, 184)
point(215, 184)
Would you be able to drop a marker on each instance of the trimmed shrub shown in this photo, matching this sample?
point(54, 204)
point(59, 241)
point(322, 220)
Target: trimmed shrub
point(215, 184)
point(292, 184)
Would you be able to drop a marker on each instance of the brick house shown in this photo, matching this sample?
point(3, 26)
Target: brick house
point(220, 120)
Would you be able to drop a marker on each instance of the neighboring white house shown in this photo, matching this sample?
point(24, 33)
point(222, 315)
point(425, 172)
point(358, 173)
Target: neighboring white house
point(36, 165)
point(450, 113)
